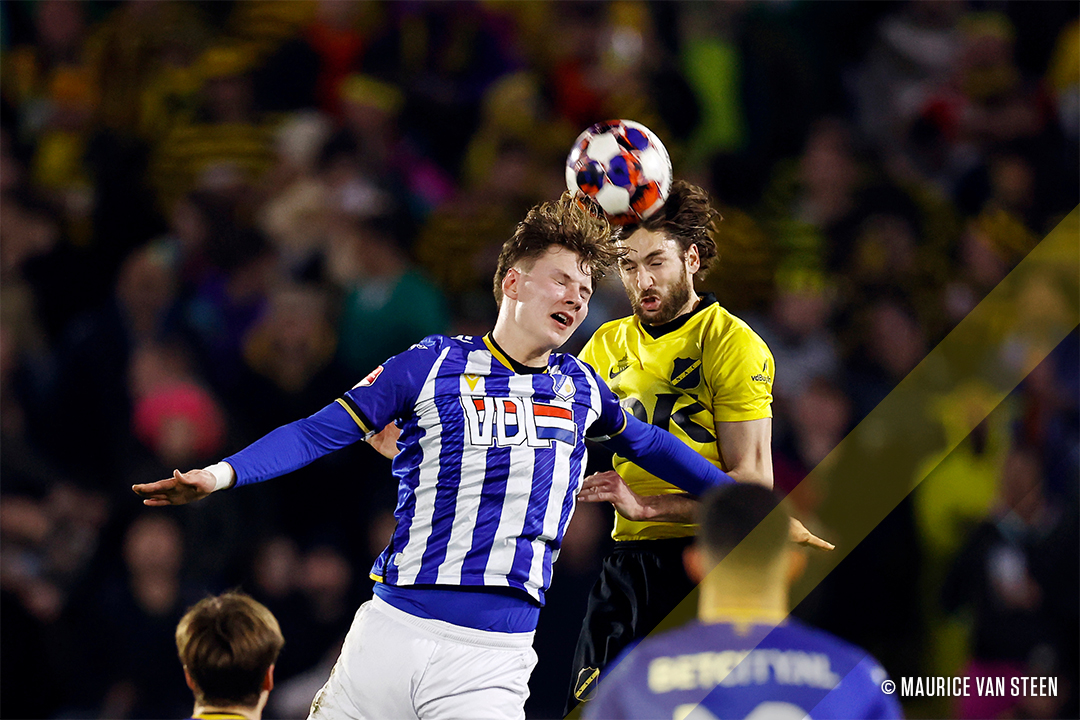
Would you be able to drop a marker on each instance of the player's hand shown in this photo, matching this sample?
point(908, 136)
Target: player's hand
point(798, 533)
point(181, 488)
point(385, 441)
point(610, 487)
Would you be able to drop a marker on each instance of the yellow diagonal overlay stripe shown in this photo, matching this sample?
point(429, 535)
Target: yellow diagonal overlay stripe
point(901, 441)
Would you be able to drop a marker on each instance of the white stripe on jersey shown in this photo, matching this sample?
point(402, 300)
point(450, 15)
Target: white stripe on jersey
point(473, 473)
point(512, 518)
point(426, 488)
point(560, 481)
point(518, 490)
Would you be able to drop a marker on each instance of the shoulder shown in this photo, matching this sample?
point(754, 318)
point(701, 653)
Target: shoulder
point(726, 329)
point(574, 366)
point(612, 329)
point(823, 641)
point(436, 344)
point(610, 334)
point(423, 354)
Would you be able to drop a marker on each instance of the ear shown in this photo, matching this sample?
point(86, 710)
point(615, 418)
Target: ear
point(190, 682)
point(268, 681)
point(510, 283)
point(694, 562)
point(693, 259)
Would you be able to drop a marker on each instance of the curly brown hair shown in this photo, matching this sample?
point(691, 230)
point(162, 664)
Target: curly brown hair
point(687, 217)
point(563, 223)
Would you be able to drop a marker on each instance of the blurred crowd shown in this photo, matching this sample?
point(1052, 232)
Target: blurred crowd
point(217, 216)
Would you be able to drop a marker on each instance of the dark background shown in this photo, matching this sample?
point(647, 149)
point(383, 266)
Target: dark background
point(216, 216)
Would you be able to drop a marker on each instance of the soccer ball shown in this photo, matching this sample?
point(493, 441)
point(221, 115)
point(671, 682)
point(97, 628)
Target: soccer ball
point(622, 167)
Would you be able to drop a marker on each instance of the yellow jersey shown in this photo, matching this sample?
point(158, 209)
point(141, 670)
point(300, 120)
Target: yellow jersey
point(685, 376)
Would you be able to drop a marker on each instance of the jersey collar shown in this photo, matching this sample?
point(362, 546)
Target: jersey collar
point(656, 331)
point(509, 362)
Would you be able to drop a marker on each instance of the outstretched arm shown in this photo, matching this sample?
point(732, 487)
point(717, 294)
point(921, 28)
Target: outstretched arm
point(747, 450)
point(183, 488)
point(676, 507)
point(283, 450)
point(660, 453)
point(610, 487)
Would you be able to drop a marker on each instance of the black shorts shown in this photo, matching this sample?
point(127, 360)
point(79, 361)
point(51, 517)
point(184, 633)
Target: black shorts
point(640, 583)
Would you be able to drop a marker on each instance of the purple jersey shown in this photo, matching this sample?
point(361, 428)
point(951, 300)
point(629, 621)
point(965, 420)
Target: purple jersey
point(726, 671)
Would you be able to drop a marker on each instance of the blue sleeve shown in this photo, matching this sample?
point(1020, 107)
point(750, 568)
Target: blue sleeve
point(389, 392)
point(386, 394)
point(660, 453)
point(293, 446)
point(609, 420)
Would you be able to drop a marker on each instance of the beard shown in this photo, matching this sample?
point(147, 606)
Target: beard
point(672, 300)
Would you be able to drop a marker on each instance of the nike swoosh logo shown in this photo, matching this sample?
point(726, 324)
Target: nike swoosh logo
point(612, 374)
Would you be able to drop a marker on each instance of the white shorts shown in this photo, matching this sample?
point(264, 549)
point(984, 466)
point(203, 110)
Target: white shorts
point(395, 666)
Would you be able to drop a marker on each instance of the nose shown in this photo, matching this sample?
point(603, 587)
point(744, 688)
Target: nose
point(644, 280)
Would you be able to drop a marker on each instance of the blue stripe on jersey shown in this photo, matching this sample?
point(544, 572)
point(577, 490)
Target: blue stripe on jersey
point(534, 516)
point(489, 513)
point(493, 494)
point(449, 475)
point(577, 458)
point(405, 468)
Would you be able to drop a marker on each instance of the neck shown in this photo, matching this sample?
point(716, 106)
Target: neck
point(742, 598)
point(691, 303)
point(251, 713)
point(517, 345)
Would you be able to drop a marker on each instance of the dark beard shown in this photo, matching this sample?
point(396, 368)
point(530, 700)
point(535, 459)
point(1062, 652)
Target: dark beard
point(670, 304)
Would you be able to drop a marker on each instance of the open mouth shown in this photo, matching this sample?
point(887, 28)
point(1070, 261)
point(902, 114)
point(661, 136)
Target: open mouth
point(650, 303)
point(563, 319)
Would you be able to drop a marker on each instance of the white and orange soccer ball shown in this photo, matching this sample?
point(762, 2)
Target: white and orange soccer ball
point(622, 167)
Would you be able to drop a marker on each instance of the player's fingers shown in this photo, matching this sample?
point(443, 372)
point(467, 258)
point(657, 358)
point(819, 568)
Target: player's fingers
point(592, 483)
point(815, 542)
point(146, 489)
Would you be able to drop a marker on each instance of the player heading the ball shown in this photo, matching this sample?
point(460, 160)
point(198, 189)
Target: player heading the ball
point(492, 453)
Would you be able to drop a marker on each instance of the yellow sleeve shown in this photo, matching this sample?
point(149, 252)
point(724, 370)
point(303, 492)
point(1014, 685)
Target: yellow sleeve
point(741, 373)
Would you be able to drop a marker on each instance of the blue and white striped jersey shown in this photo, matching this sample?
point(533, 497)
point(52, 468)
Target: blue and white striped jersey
point(490, 463)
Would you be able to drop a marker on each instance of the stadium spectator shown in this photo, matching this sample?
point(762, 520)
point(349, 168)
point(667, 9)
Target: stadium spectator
point(797, 331)
point(227, 145)
point(999, 574)
point(136, 617)
point(389, 303)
